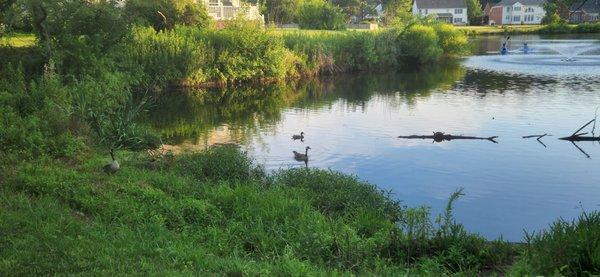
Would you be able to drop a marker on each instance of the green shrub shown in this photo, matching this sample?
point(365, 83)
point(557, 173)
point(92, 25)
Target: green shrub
point(452, 41)
point(420, 45)
point(567, 248)
point(175, 12)
point(191, 56)
point(81, 32)
point(219, 163)
point(320, 15)
point(557, 28)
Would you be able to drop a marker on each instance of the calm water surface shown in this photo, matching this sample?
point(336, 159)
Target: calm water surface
point(351, 124)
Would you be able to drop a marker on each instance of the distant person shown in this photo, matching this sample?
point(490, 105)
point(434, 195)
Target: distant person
point(525, 48)
point(503, 50)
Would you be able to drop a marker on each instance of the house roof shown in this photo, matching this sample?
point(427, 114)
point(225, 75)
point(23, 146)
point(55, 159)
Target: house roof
point(590, 6)
point(523, 2)
point(440, 4)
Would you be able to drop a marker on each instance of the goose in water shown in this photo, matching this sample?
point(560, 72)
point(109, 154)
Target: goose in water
point(112, 167)
point(300, 156)
point(300, 136)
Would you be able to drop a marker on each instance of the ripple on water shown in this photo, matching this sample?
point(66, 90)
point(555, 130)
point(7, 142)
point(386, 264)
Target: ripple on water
point(538, 65)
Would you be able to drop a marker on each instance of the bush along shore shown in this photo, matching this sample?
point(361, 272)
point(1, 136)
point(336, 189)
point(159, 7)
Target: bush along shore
point(78, 93)
point(552, 28)
point(242, 53)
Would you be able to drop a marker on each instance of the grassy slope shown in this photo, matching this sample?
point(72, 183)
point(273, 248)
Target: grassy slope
point(213, 212)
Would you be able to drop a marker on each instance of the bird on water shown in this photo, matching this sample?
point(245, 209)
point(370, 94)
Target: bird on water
point(300, 156)
point(300, 136)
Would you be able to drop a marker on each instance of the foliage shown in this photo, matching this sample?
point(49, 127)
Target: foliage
point(75, 34)
point(30, 126)
point(172, 13)
point(320, 15)
point(474, 12)
point(280, 11)
point(213, 212)
point(567, 248)
point(193, 56)
point(420, 44)
point(452, 41)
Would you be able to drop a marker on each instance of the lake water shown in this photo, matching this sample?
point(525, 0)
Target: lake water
point(352, 123)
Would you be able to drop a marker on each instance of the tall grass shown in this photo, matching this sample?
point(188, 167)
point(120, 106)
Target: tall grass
point(566, 248)
point(214, 212)
point(245, 53)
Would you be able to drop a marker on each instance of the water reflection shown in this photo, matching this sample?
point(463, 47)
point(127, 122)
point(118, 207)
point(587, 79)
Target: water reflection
point(352, 123)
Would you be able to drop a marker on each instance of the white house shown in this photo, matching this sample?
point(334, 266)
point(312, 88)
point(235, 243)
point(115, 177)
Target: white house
point(451, 11)
point(512, 12)
point(224, 9)
point(230, 9)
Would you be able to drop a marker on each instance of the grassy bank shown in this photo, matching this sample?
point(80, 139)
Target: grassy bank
point(499, 30)
point(555, 28)
point(217, 212)
point(242, 53)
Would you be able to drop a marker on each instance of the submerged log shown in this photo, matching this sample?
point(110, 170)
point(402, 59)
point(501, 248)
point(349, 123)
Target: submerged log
point(439, 137)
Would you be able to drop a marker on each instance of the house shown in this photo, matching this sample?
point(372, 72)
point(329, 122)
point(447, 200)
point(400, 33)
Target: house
point(512, 12)
point(224, 9)
point(451, 11)
point(584, 12)
point(230, 9)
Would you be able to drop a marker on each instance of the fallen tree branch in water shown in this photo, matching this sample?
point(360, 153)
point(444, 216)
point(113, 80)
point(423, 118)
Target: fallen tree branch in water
point(538, 138)
point(439, 137)
point(576, 136)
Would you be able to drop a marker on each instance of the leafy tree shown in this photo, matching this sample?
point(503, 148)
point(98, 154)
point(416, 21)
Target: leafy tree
point(474, 12)
point(397, 11)
point(557, 11)
point(165, 14)
point(280, 11)
point(358, 9)
point(319, 14)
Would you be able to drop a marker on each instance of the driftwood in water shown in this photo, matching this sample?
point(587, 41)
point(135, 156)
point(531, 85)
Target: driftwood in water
point(439, 137)
point(538, 138)
point(576, 136)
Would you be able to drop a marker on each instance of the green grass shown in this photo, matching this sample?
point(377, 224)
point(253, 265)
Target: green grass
point(18, 40)
point(510, 29)
point(216, 212)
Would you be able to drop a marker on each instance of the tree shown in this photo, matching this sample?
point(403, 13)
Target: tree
point(397, 11)
point(280, 11)
point(357, 9)
point(165, 14)
point(5, 4)
point(474, 12)
point(319, 14)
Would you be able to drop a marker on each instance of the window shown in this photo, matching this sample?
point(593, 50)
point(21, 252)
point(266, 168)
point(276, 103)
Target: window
point(528, 17)
point(457, 20)
point(508, 9)
point(458, 11)
point(425, 11)
point(529, 10)
point(517, 9)
point(507, 18)
point(213, 2)
point(517, 18)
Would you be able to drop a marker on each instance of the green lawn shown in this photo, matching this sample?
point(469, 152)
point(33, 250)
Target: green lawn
point(17, 40)
point(482, 30)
